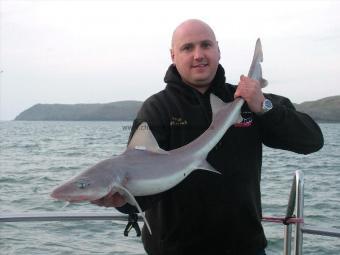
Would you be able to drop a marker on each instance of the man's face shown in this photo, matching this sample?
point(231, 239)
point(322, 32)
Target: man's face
point(196, 54)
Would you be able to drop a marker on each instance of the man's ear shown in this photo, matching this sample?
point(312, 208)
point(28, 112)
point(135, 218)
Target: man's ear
point(172, 54)
point(219, 52)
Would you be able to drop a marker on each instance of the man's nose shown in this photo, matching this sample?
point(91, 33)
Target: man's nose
point(198, 53)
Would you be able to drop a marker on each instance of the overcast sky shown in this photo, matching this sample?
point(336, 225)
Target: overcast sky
point(79, 51)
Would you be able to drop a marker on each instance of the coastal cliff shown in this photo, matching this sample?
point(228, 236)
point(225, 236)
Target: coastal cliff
point(322, 110)
point(122, 110)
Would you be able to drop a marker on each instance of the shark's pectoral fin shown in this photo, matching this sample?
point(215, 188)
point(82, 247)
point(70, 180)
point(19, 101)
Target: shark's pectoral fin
point(131, 200)
point(204, 165)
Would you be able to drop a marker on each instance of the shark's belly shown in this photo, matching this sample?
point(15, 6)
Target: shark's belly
point(159, 176)
point(145, 187)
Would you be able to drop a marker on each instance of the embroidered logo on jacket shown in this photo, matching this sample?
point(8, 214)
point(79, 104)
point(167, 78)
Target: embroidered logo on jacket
point(247, 120)
point(178, 121)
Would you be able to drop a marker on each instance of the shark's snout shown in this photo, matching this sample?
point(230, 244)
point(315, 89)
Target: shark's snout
point(62, 195)
point(78, 190)
point(59, 194)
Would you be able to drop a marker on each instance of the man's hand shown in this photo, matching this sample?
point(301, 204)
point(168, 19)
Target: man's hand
point(110, 200)
point(250, 91)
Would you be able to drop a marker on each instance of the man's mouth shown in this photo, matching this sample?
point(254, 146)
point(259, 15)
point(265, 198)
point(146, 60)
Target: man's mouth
point(200, 65)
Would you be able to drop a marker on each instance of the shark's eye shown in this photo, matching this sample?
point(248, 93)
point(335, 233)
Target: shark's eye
point(82, 184)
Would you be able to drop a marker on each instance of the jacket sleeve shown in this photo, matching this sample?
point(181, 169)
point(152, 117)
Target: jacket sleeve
point(285, 128)
point(155, 115)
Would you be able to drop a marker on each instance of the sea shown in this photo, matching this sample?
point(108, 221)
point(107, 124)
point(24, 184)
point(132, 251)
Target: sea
point(37, 156)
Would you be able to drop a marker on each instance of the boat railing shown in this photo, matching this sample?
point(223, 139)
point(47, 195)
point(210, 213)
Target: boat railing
point(295, 204)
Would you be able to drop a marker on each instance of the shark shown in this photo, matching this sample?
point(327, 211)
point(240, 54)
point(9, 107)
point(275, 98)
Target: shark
point(145, 169)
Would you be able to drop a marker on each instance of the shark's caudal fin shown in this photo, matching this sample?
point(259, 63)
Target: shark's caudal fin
point(143, 139)
point(255, 70)
point(131, 200)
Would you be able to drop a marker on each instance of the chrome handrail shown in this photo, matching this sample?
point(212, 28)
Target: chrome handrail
point(296, 204)
point(297, 194)
point(287, 243)
point(299, 204)
point(60, 216)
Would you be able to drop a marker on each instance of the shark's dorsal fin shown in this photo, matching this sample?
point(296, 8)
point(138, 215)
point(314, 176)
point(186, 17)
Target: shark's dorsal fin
point(143, 139)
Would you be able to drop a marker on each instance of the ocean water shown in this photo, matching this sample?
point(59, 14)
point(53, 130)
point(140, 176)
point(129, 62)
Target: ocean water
point(37, 156)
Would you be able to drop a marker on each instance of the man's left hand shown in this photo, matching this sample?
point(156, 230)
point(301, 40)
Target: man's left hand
point(250, 91)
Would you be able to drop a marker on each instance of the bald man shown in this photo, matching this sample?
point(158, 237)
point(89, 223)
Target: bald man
point(208, 213)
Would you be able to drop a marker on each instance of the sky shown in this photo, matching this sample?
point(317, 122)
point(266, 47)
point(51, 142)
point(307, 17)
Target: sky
point(94, 51)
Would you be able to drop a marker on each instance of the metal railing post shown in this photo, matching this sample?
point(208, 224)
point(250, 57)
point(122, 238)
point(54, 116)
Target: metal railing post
point(299, 212)
point(287, 241)
point(287, 244)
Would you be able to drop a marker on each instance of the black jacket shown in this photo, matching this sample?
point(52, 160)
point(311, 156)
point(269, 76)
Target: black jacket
point(209, 213)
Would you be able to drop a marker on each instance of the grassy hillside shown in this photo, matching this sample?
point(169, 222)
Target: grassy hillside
point(323, 110)
point(123, 110)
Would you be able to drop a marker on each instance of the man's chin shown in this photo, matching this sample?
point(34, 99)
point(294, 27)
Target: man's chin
point(199, 82)
point(202, 82)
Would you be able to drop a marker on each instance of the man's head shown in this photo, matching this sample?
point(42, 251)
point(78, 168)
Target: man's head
point(195, 53)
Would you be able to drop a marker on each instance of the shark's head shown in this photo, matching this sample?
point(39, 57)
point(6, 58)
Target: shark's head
point(90, 185)
point(78, 190)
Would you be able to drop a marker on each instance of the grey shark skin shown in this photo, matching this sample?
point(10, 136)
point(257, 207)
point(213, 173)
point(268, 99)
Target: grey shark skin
point(144, 168)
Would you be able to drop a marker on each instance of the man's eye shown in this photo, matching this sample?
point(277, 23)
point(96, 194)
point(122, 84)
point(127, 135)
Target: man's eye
point(187, 48)
point(206, 45)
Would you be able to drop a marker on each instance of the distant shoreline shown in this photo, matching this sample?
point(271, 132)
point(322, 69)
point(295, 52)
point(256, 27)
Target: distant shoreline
point(116, 111)
point(325, 110)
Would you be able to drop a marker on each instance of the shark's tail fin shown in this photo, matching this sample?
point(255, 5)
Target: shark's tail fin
point(255, 71)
